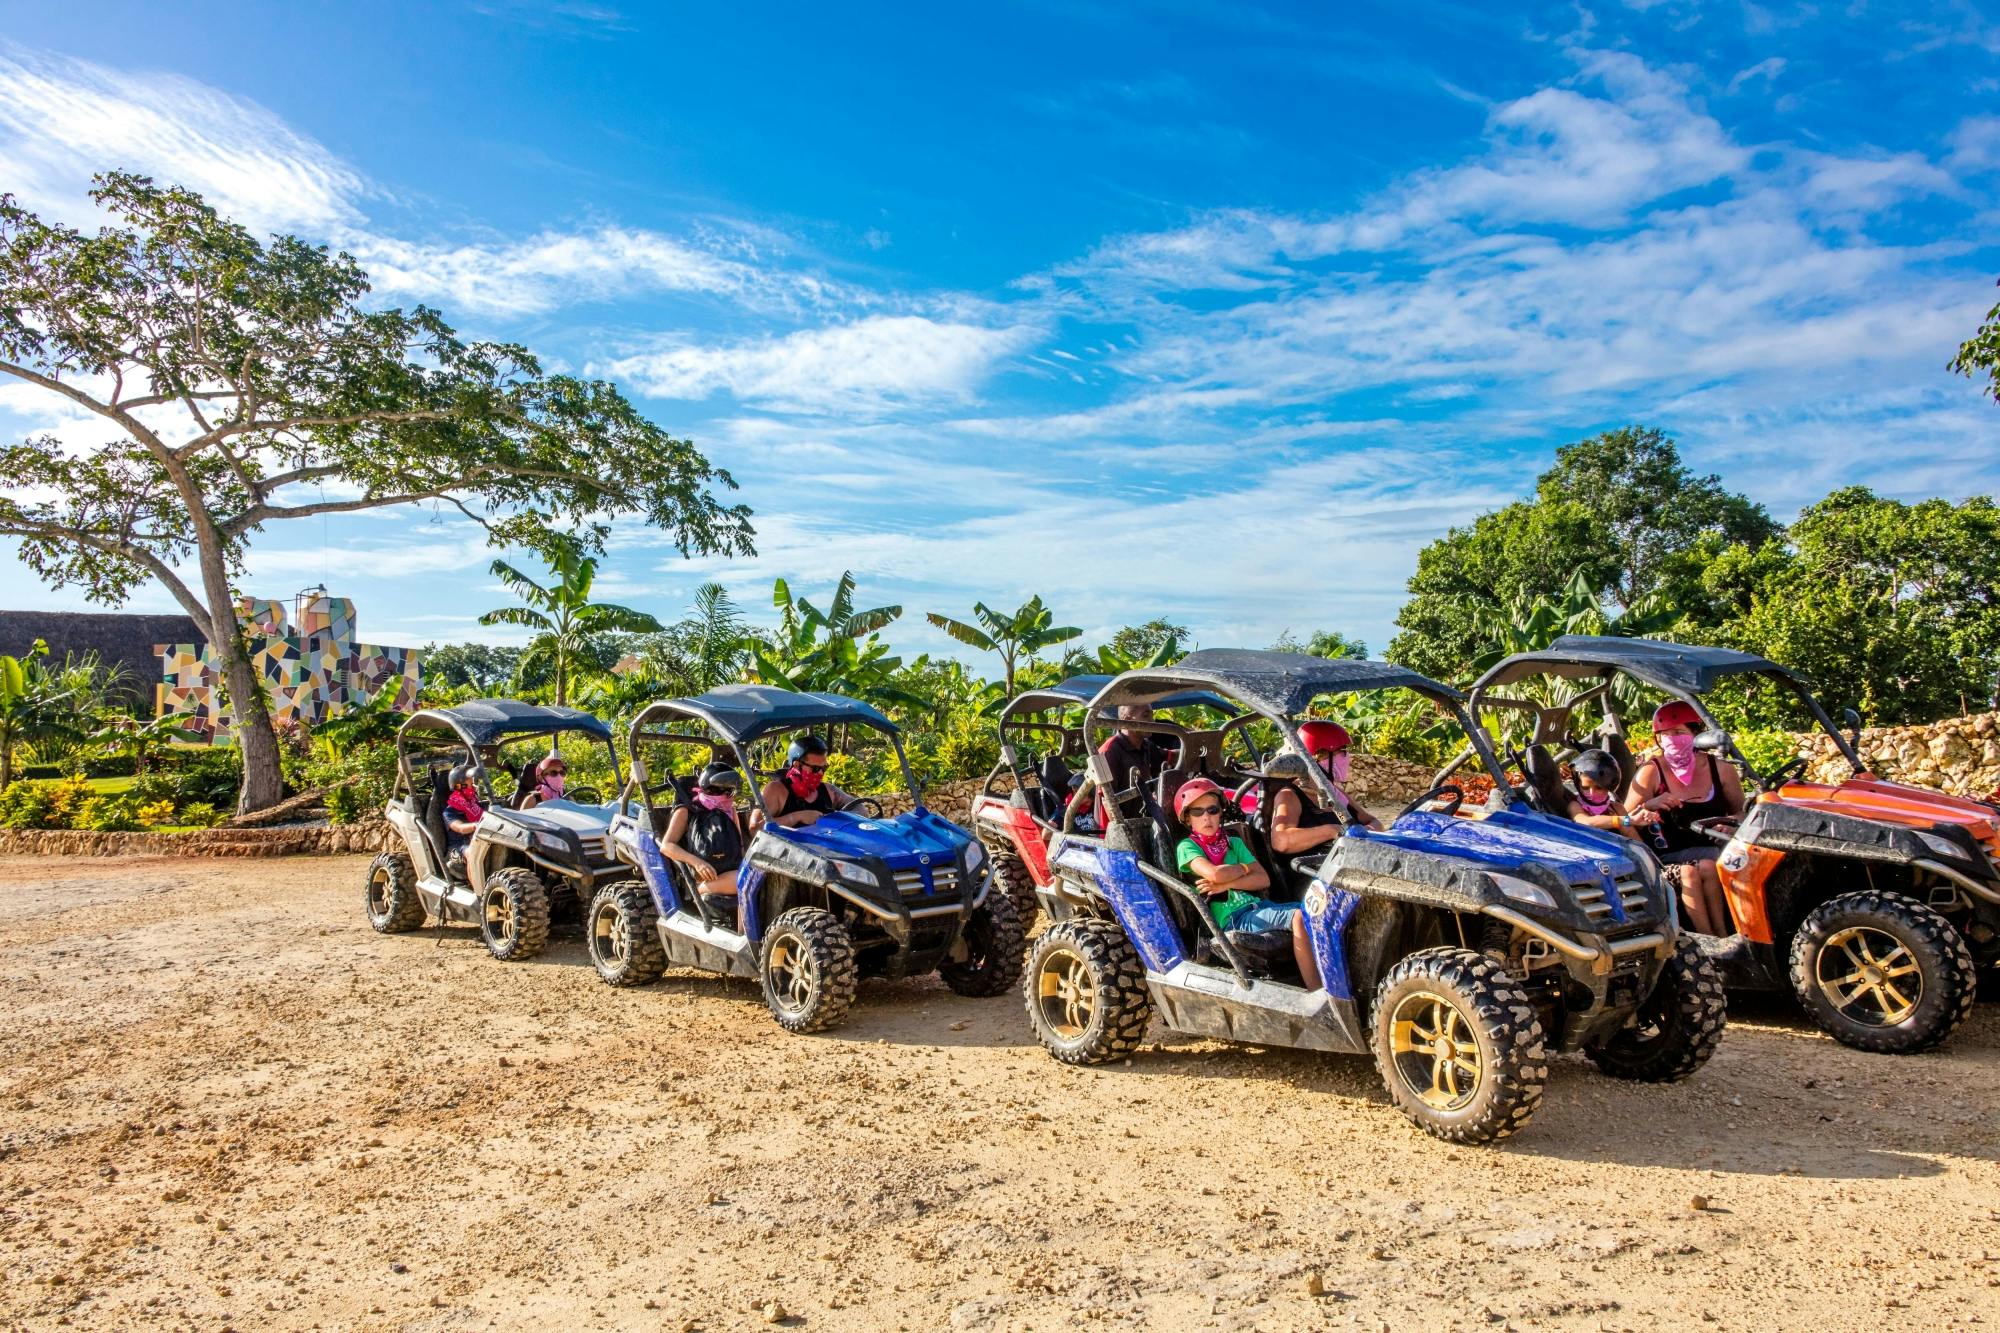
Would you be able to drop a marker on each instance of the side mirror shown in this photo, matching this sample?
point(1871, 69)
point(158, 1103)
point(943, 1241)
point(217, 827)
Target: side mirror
point(1852, 720)
point(1711, 740)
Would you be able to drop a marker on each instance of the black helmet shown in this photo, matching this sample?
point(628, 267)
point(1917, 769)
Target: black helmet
point(1599, 767)
point(463, 773)
point(721, 776)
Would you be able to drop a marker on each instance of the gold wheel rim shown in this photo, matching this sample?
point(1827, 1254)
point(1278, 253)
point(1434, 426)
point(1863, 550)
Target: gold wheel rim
point(1434, 1051)
point(499, 915)
point(1869, 976)
point(792, 974)
point(1067, 993)
point(607, 940)
point(378, 892)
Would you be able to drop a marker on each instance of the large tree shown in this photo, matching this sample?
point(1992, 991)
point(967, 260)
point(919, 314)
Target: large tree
point(1893, 608)
point(1619, 510)
point(243, 384)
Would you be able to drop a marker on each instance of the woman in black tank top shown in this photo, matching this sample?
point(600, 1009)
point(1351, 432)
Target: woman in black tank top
point(1680, 803)
point(705, 834)
point(801, 794)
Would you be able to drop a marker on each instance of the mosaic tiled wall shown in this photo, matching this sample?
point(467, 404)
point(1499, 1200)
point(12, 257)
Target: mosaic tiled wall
point(311, 672)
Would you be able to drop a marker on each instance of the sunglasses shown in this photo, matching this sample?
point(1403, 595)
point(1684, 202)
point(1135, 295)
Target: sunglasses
point(718, 791)
point(813, 768)
point(555, 772)
point(1204, 811)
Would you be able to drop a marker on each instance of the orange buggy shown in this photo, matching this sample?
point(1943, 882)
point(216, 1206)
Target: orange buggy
point(1874, 902)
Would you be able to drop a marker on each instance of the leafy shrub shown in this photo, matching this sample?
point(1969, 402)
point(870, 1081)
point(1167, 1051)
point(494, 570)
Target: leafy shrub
point(200, 814)
point(357, 781)
point(27, 804)
point(105, 814)
point(1408, 735)
point(154, 814)
point(212, 776)
point(849, 772)
point(1767, 751)
point(968, 748)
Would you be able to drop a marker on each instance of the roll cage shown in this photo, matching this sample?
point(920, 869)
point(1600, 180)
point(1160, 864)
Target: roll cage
point(1685, 672)
point(482, 726)
point(742, 715)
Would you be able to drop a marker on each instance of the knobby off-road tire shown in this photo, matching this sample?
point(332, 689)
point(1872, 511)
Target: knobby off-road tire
point(1676, 1028)
point(1881, 972)
point(807, 970)
point(514, 914)
point(1086, 992)
point(622, 931)
point(1010, 876)
point(392, 902)
point(1458, 1045)
point(994, 949)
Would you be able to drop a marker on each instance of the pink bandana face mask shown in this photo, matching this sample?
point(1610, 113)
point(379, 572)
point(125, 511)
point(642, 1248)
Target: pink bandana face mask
point(1337, 768)
point(553, 783)
point(718, 801)
point(1678, 750)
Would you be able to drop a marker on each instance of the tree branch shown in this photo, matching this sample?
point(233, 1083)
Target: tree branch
point(138, 555)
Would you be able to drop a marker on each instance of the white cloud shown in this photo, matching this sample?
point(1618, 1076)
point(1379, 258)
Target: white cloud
point(62, 119)
point(865, 366)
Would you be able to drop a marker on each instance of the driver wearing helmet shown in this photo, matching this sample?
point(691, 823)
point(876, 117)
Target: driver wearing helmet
point(462, 812)
point(546, 780)
point(1227, 874)
point(706, 835)
point(1682, 790)
point(1327, 743)
point(801, 794)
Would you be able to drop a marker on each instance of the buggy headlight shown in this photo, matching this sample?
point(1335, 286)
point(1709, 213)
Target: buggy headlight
point(1942, 846)
point(550, 842)
point(975, 857)
point(1523, 891)
point(858, 873)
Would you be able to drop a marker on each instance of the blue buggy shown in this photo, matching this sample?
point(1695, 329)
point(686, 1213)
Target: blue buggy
point(1458, 945)
point(856, 894)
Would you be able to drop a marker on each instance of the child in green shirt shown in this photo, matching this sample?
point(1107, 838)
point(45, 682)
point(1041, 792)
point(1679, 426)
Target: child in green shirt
point(1226, 873)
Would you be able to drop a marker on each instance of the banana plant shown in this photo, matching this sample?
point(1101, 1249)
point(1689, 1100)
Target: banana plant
point(1022, 633)
point(35, 708)
point(562, 613)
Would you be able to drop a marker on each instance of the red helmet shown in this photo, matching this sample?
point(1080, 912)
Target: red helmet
point(1676, 713)
point(1317, 736)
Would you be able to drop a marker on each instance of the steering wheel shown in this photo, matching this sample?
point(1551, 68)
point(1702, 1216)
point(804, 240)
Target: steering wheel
point(874, 810)
point(1778, 778)
point(1455, 792)
point(584, 795)
point(1236, 797)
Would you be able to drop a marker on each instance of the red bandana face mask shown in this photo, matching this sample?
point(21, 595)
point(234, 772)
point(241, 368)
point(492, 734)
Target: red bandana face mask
point(1216, 849)
point(803, 781)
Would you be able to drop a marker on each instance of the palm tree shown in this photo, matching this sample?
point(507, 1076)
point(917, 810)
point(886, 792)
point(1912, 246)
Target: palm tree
point(706, 647)
point(562, 613)
point(1023, 633)
point(827, 650)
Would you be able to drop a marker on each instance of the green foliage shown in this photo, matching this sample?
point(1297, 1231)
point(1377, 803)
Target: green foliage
point(479, 667)
point(1767, 750)
point(107, 814)
point(566, 621)
point(826, 650)
point(1888, 607)
point(212, 776)
point(279, 381)
point(1023, 632)
point(1617, 514)
point(35, 707)
point(357, 780)
point(1321, 643)
point(1980, 354)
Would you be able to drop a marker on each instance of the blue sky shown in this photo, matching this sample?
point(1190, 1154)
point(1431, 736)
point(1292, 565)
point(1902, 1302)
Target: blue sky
point(1210, 311)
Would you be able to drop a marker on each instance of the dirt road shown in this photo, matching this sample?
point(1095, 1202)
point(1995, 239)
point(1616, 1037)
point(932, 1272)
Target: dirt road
point(225, 1102)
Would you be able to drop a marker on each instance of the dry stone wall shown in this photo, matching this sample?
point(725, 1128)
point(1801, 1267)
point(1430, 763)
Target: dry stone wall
point(370, 836)
point(1960, 755)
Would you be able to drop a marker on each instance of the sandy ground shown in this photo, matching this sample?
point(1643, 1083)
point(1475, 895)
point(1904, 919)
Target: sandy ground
point(225, 1102)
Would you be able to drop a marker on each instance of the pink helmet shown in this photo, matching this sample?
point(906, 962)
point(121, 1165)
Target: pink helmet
point(1191, 791)
point(1317, 736)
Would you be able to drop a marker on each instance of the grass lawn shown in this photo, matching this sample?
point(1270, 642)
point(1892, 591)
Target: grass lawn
point(110, 786)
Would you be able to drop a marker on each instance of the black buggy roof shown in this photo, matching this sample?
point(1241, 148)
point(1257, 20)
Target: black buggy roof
point(484, 722)
point(1278, 684)
point(1080, 690)
point(744, 713)
point(1678, 668)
